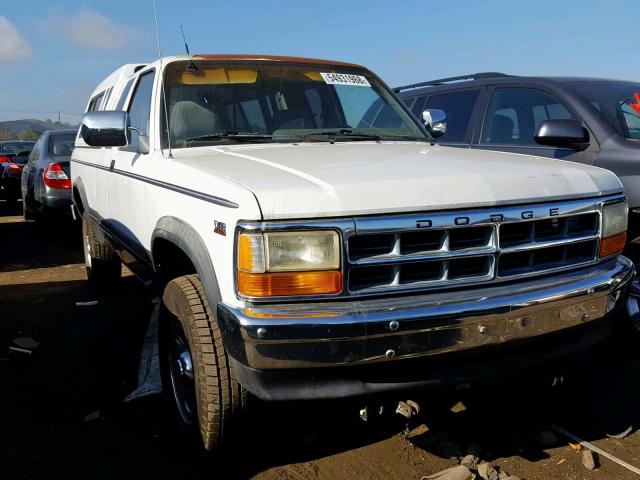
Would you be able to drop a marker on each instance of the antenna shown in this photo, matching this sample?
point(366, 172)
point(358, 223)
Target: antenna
point(191, 67)
point(155, 16)
point(164, 95)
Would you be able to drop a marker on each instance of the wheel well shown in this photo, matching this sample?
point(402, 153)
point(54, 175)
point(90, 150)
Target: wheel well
point(170, 261)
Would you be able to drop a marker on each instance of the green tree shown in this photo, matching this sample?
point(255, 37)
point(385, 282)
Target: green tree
point(28, 134)
point(6, 134)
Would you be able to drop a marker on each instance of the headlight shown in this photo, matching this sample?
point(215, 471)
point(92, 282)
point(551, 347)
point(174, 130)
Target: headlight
point(289, 263)
point(614, 228)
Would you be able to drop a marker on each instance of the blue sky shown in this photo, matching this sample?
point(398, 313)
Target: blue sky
point(53, 53)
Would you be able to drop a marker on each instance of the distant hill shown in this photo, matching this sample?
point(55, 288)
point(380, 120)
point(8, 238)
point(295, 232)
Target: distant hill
point(16, 126)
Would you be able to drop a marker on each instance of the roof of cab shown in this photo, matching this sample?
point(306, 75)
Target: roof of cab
point(123, 72)
point(126, 71)
point(274, 58)
point(253, 58)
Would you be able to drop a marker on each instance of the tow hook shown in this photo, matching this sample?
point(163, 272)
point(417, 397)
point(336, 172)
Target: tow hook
point(633, 303)
point(408, 409)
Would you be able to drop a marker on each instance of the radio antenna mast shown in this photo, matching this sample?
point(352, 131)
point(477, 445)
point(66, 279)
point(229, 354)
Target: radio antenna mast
point(191, 67)
point(155, 16)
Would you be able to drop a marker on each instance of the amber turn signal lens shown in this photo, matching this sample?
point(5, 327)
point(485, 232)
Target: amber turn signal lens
point(612, 245)
point(289, 283)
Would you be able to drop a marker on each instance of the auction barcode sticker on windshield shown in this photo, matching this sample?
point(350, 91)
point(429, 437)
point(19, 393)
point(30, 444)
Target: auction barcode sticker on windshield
point(345, 79)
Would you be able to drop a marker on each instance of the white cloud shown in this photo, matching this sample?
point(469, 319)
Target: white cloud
point(93, 29)
point(13, 47)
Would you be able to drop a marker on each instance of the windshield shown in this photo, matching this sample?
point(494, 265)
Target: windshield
point(231, 102)
point(618, 102)
point(62, 145)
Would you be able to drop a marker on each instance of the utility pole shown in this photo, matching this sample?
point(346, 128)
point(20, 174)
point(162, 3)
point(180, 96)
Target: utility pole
point(59, 123)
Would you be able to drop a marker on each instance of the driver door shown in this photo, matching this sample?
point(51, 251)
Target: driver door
point(126, 186)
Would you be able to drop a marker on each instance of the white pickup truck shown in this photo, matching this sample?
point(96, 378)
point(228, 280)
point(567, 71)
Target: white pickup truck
point(310, 240)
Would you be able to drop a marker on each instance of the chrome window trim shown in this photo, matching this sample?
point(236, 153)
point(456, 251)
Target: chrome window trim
point(401, 223)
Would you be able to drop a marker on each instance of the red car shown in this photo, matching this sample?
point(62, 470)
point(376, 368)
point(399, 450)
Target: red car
point(13, 158)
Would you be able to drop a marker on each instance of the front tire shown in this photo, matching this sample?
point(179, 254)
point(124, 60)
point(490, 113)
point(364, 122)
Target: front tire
point(101, 261)
point(206, 396)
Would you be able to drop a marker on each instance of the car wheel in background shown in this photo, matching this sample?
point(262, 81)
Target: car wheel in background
point(100, 259)
point(27, 213)
point(196, 370)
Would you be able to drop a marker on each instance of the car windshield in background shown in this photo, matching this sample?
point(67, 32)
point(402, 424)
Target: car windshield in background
point(618, 102)
point(15, 147)
point(61, 145)
point(258, 102)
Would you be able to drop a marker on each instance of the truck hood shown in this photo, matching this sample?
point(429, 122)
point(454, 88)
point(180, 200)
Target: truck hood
point(342, 179)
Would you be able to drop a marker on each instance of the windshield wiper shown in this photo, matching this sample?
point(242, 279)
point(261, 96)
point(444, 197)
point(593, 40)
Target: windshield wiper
point(330, 135)
point(239, 136)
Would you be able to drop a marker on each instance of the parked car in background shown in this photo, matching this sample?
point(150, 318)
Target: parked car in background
point(585, 120)
point(46, 184)
point(310, 242)
point(13, 156)
point(9, 148)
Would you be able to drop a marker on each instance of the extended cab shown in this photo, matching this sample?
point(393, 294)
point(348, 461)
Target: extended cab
point(310, 240)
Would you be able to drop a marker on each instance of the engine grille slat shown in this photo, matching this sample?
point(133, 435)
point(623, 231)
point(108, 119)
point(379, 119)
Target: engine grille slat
point(467, 249)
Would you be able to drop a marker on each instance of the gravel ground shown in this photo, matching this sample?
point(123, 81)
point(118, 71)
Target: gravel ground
point(63, 416)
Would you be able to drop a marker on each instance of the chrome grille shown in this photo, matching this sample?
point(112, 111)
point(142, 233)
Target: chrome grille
point(406, 252)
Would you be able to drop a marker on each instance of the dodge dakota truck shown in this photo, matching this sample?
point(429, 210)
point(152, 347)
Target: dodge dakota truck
point(310, 240)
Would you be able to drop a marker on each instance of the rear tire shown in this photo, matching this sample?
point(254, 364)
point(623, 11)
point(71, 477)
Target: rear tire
point(207, 398)
point(101, 261)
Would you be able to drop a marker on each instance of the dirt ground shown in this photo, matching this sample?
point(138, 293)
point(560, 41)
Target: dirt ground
point(62, 413)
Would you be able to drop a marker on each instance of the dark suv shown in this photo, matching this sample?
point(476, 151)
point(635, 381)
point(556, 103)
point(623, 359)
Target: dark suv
point(582, 120)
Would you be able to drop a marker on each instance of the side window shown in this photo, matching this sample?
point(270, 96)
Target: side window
point(631, 120)
point(35, 152)
point(418, 108)
point(140, 107)
point(514, 115)
point(458, 106)
point(105, 99)
point(124, 95)
point(95, 102)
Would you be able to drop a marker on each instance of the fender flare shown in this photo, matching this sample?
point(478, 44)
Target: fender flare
point(185, 237)
point(79, 187)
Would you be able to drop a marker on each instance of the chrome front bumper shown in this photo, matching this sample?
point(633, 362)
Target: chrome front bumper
point(337, 333)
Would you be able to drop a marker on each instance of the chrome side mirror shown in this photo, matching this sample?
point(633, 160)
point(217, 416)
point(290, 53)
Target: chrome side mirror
point(435, 120)
point(104, 128)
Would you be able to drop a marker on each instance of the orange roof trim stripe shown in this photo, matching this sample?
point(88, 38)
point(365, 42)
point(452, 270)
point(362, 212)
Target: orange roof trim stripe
point(277, 58)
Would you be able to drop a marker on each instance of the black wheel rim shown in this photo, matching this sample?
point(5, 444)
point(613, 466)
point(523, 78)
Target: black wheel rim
point(182, 376)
